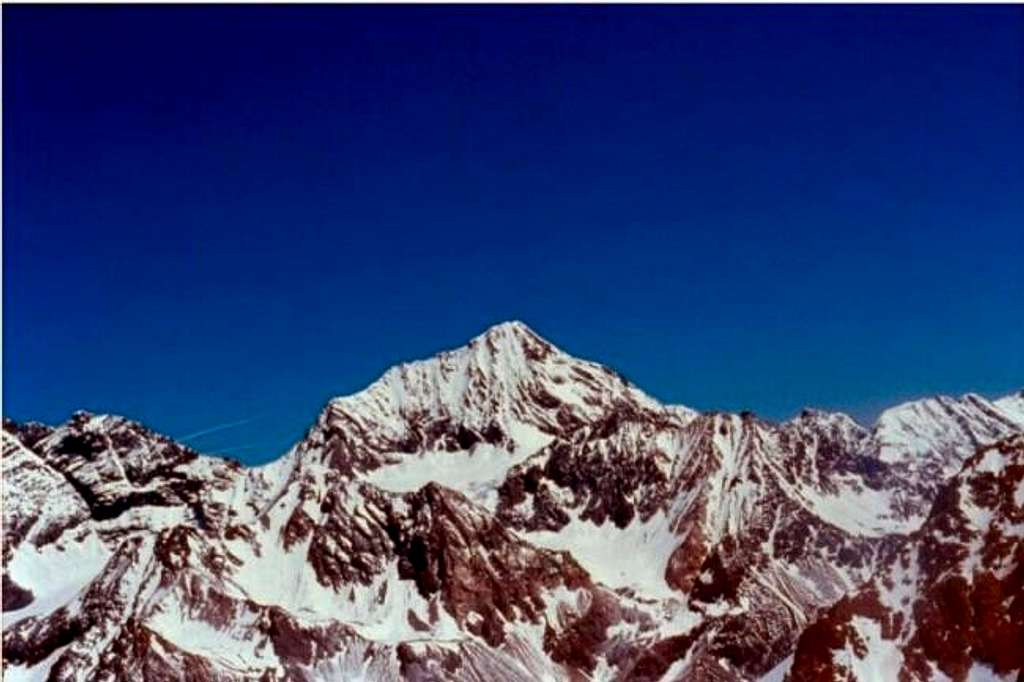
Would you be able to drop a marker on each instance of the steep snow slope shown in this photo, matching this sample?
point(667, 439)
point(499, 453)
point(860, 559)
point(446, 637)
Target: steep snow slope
point(1012, 406)
point(942, 432)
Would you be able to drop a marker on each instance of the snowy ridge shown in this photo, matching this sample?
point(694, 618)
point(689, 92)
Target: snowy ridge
point(925, 431)
point(499, 511)
point(507, 380)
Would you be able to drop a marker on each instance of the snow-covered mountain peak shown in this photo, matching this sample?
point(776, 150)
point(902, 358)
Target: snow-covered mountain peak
point(1012, 405)
point(943, 430)
point(507, 388)
point(501, 510)
point(512, 333)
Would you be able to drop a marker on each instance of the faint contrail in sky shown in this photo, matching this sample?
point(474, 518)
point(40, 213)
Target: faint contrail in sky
point(219, 427)
point(234, 448)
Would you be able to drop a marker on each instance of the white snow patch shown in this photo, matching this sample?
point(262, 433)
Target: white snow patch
point(476, 473)
point(55, 574)
point(632, 557)
point(982, 673)
point(993, 462)
point(1012, 406)
point(903, 588)
point(857, 511)
point(378, 611)
point(676, 669)
point(778, 673)
point(381, 612)
point(883, 659)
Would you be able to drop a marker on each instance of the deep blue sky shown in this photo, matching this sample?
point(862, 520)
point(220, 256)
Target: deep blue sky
point(228, 213)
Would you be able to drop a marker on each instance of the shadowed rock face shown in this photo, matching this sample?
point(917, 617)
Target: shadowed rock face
point(504, 511)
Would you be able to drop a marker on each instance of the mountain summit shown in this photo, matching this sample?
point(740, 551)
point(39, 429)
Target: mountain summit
point(504, 511)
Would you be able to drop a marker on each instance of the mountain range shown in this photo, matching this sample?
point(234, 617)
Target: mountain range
point(505, 511)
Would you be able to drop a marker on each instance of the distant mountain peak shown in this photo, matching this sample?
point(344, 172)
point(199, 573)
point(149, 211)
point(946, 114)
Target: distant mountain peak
point(513, 328)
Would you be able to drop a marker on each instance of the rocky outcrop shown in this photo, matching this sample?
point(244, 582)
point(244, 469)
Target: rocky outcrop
point(948, 599)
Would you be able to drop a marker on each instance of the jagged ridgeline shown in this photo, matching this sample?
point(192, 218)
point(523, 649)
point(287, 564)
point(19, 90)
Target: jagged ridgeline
point(505, 511)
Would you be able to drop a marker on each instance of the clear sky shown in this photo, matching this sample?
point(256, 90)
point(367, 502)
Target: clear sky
point(230, 214)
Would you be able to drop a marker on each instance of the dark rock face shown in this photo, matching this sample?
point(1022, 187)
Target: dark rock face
point(476, 565)
point(962, 605)
point(441, 525)
point(29, 433)
point(140, 653)
point(14, 596)
point(612, 470)
point(607, 471)
point(360, 558)
point(34, 641)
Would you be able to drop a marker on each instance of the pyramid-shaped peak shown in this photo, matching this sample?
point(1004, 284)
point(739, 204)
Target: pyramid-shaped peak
point(514, 335)
point(507, 376)
point(510, 329)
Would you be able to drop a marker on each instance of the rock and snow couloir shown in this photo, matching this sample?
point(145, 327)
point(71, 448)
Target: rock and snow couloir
point(500, 511)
